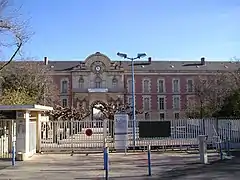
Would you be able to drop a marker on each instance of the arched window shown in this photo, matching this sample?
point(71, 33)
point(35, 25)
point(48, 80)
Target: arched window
point(98, 82)
point(81, 82)
point(114, 82)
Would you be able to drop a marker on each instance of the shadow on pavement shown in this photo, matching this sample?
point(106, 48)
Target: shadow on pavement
point(225, 168)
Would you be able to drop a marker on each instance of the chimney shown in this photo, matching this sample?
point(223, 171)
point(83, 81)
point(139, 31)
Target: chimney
point(149, 59)
point(45, 61)
point(202, 61)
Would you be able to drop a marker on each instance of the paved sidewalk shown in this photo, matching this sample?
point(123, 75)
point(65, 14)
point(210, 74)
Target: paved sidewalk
point(131, 166)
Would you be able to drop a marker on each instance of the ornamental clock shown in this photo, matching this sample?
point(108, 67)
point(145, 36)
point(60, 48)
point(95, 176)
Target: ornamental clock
point(98, 67)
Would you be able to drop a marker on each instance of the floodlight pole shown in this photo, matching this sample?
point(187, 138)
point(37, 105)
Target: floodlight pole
point(133, 91)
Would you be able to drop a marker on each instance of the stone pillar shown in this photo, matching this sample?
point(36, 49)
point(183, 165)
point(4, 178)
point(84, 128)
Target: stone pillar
point(22, 140)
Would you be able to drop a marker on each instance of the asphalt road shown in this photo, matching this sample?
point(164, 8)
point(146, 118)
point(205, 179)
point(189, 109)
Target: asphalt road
point(130, 166)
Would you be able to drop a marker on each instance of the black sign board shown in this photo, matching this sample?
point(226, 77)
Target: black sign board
point(151, 129)
point(8, 114)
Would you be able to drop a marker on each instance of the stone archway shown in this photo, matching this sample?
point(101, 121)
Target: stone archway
point(96, 113)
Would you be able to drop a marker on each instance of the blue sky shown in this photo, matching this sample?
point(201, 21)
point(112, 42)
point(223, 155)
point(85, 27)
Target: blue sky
point(164, 29)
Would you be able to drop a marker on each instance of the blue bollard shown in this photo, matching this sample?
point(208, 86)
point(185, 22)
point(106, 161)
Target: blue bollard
point(13, 154)
point(106, 164)
point(149, 161)
point(104, 158)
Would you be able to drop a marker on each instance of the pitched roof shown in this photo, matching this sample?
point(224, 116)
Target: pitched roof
point(158, 65)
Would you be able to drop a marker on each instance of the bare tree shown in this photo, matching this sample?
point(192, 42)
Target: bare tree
point(68, 113)
point(28, 83)
point(210, 92)
point(13, 30)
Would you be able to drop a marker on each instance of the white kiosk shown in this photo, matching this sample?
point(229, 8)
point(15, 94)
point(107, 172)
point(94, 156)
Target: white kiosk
point(121, 132)
point(25, 131)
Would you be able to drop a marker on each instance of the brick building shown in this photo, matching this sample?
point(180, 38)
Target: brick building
point(162, 88)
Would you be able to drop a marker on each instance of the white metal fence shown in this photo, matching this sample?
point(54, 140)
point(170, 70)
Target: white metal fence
point(6, 135)
point(70, 135)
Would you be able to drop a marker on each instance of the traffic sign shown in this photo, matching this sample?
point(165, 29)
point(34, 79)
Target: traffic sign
point(88, 132)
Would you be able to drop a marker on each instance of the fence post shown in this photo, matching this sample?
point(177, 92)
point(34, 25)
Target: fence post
point(149, 161)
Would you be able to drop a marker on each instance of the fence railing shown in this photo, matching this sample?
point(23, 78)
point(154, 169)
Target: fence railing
point(70, 135)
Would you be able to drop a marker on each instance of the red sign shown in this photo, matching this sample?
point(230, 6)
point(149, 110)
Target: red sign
point(88, 132)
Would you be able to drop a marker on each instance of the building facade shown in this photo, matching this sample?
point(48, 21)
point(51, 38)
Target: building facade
point(162, 88)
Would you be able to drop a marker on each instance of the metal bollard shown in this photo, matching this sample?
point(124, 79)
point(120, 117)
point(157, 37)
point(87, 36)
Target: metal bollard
point(228, 147)
point(149, 161)
point(13, 154)
point(104, 153)
point(221, 151)
point(203, 149)
point(107, 164)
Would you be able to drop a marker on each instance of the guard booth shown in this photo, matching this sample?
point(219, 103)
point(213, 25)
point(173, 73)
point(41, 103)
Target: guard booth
point(20, 127)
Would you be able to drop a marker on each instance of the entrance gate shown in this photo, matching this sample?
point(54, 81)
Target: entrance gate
point(68, 136)
point(60, 136)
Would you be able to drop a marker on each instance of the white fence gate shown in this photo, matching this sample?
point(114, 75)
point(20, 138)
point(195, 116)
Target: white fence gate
point(71, 135)
point(59, 136)
point(7, 133)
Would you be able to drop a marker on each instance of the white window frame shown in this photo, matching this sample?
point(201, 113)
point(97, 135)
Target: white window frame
point(64, 98)
point(61, 85)
point(164, 102)
point(176, 79)
point(81, 84)
point(149, 85)
point(173, 102)
point(129, 85)
point(129, 100)
point(158, 84)
point(189, 98)
point(189, 79)
point(143, 103)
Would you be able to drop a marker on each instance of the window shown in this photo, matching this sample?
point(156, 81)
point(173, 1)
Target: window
point(64, 102)
point(176, 115)
point(130, 101)
point(161, 88)
point(147, 116)
point(162, 116)
point(176, 85)
point(189, 85)
point(81, 82)
point(114, 82)
point(129, 85)
point(98, 82)
point(146, 103)
point(64, 86)
point(161, 103)
point(176, 102)
point(146, 86)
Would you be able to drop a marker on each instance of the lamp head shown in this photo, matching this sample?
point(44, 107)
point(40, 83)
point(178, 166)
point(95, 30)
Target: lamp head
point(141, 55)
point(122, 55)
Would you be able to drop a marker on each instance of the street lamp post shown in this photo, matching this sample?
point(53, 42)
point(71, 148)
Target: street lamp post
point(139, 56)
